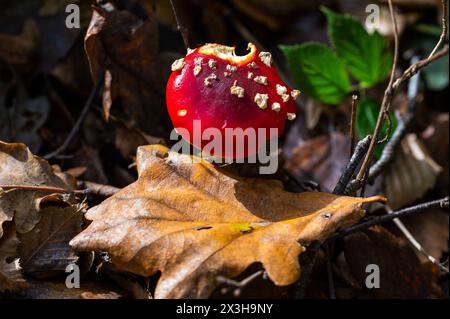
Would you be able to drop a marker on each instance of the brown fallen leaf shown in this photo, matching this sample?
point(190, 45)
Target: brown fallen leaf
point(44, 251)
point(193, 223)
point(436, 135)
point(430, 229)
point(135, 73)
point(40, 289)
point(21, 50)
point(322, 158)
point(402, 275)
point(18, 166)
point(10, 275)
point(412, 173)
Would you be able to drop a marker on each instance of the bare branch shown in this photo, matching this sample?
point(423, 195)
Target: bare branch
point(350, 169)
point(44, 189)
point(239, 285)
point(183, 30)
point(444, 27)
point(98, 189)
point(353, 123)
point(415, 243)
point(402, 127)
point(440, 203)
point(362, 175)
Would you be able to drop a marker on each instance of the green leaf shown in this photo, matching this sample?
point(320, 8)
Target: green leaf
point(318, 72)
point(365, 55)
point(366, 119)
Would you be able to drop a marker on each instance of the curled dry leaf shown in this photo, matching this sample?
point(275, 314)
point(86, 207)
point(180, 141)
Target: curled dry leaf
point(18, 166)
point(40, 289)
point(21, 50)
point(402, 275)
point(412, 173)
point(322, 158)
point(10, 275)
point(192, 222)
point(134, 73)
point(44, 251)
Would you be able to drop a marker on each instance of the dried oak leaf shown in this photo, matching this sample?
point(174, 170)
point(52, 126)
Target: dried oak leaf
point(322, 158)
point(40, 289)
point(21, 50)
point(192, 222)
point(402, 275)
point(44, 251)
point(412, 173)
point(128, 49)
point(10, 275)
point(18, 166)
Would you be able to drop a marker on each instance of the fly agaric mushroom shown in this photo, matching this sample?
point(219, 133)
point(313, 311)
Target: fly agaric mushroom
point(222, 90)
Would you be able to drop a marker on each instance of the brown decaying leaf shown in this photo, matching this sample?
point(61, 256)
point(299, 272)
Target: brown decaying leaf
point(412, 173)
point(18, 166)
point(44, 251)
point(134, 71)
point(436, 135)
point(322, 158)
point(430, 229)
point(21, 50)
point(193, 223)
point(10, 275)
point(402, 275)
point(40, 289)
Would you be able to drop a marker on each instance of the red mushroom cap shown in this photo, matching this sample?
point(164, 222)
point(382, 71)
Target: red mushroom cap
point(222, 90)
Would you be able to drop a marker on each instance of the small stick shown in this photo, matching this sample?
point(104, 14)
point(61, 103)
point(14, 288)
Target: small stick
point(353, 123)
point(239, 285)
point(184, 31)
point(45, 189)
point(402, 128)
point(440, 203)
point(98, 189)
point(415, 243)
point(358, 154)
point(80, 120)
point(444, 27)
point(387, 98)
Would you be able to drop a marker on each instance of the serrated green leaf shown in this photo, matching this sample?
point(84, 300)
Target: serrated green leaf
point(365, 55)
point(366, 119)
point(318, 72)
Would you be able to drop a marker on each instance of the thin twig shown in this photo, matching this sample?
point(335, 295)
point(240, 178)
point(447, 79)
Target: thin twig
point(45, 189)
point(413, 69)
point(358, 154)
point(362, 175)
point(239, 285)
point(80, 120)
point(183, 30)
point(98, 189)
point(415, 243)
point(402, 127)
point(444, 27)
point(410, 72)
point(353, 123)
point(440, 203)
